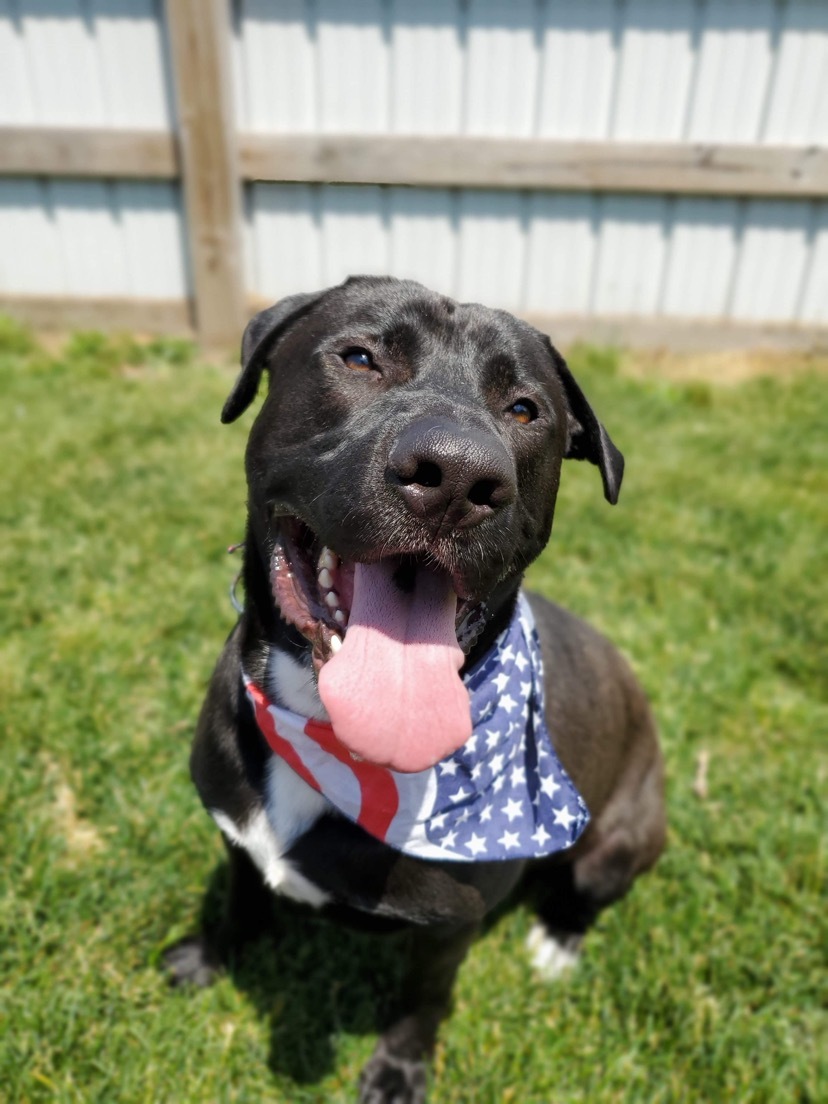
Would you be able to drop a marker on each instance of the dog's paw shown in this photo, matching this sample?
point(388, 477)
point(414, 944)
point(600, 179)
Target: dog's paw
point(389, 1079)
point(553, 954)
point(191, 962)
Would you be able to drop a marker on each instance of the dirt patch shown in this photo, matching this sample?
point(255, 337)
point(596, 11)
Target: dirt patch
point(80, 836)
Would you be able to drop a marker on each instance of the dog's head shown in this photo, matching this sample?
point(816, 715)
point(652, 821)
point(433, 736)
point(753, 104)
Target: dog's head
point(402, 473)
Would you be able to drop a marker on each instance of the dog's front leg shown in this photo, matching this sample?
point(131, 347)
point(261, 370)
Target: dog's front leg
point(397, 1070)
point(197, 959)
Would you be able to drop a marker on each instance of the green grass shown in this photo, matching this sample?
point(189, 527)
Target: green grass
point(120, 491)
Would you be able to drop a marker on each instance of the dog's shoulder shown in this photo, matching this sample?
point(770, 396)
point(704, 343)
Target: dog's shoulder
point(596, 708)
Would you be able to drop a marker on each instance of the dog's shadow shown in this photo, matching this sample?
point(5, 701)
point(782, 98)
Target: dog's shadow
point(311, 979)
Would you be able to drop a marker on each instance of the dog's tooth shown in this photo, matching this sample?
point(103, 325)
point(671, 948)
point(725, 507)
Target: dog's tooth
point(325, 578)
point(327, 559)
point(332, 599)
point(339, 617)
point(336, 644)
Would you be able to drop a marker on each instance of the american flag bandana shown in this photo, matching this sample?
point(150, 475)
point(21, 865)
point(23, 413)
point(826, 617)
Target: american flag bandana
point(503, 795)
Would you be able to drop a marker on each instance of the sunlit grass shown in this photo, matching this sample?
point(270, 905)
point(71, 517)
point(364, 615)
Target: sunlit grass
point(120, 493)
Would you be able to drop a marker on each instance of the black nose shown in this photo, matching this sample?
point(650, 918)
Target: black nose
point(449, 475)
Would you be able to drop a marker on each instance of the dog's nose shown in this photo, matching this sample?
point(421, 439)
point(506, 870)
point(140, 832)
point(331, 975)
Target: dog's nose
point(450, 475)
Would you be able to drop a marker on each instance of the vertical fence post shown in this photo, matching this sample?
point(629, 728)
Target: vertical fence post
point(199, 33)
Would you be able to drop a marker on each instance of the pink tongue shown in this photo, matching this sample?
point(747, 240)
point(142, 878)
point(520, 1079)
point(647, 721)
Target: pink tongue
point(392, 691)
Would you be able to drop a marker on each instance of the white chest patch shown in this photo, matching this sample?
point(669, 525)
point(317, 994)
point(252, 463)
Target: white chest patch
point(291, 806)
point(292, 684)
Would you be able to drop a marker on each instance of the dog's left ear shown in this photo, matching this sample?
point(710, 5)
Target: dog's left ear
point(260, 333)
point(586, 437)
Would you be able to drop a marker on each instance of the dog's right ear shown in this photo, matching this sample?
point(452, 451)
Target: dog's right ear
point(260, 333)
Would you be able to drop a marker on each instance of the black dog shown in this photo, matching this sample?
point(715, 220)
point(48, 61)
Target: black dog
point(402, 474)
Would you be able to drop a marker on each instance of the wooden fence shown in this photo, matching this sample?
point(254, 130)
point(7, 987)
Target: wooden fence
point(211, 160)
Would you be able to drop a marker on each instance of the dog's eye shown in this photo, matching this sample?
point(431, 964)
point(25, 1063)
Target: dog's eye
point(360, 359)
point(523, 411)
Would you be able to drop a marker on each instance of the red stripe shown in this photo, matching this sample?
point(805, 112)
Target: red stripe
point(378, 792)
point(380, 799)
point(282, 747)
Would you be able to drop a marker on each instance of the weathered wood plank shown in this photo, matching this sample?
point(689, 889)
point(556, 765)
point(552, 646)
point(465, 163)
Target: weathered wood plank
point(199, 32)
point(50, 313)
point(678, 168)
point(88, 152)
point(66, 312)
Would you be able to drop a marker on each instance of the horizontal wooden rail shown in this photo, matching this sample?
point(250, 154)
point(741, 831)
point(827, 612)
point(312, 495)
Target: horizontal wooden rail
point(165, 316)
point(88, 152)
point(672, 167)
point(95, 312)
point(667, 167)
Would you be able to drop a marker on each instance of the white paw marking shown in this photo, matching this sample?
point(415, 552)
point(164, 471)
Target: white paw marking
point(552, 957)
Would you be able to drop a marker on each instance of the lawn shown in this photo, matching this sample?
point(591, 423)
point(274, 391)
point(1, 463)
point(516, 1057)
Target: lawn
point(120, 493)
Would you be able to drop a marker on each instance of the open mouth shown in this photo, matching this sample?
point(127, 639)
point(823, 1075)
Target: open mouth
point(314, 589)
point(388, 639)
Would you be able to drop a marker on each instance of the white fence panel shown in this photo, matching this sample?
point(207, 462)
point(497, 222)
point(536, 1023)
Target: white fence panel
point(772, 261)
point(701, 258)
point(733, 69)
point(814, 310)
point(753, 71)
point(83, 63)
point(426, 67)
point(578, 69)
point(72, 237)
point(798, 104)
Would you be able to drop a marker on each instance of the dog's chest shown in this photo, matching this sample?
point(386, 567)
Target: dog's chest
point(289, 805)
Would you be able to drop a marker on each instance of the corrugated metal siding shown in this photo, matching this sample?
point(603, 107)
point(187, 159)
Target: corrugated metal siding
point(752, 261)
point(696, 70)
point(88, 63)
point(700, 70)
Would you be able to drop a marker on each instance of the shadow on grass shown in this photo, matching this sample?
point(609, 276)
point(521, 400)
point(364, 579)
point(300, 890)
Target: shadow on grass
point(312, 979)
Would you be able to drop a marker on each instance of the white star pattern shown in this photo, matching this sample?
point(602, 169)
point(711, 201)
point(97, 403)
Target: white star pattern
point(564, 817)
point(518, 776)
point(512, 809)
point(549, 786)
point(496, 795)
point(477, 845)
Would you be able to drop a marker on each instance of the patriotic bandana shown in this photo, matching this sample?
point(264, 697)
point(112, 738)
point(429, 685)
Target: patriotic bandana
point(503, 795)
